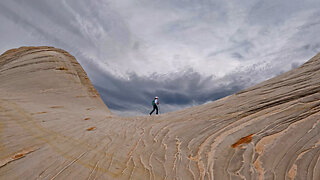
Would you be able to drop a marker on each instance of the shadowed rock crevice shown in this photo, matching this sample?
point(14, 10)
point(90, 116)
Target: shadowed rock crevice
point(53, 125)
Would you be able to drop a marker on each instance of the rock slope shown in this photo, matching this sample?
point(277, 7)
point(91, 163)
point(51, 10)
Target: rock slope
point(53, 125)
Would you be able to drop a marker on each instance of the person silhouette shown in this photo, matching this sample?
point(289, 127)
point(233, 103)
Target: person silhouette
point(155, 103)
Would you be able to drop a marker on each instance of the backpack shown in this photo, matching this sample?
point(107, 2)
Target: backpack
point(153, 103)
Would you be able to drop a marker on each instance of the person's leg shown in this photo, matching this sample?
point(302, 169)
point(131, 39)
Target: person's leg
point(156, 109)
point(152, 110)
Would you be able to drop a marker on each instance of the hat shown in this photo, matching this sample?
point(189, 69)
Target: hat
point(156, 97)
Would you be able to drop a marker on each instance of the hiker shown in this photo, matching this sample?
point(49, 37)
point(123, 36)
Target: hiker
point(155, 102)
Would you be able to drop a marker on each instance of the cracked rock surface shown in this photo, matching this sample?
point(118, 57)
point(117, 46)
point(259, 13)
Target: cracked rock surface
point(53, 125)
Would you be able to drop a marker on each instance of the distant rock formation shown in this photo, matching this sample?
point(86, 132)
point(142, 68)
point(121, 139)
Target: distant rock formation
point(53, 125)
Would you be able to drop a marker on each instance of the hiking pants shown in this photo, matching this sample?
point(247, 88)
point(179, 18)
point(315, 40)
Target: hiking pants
point(155, 107)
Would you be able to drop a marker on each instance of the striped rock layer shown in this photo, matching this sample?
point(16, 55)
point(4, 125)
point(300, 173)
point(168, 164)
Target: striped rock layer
point(53, 125)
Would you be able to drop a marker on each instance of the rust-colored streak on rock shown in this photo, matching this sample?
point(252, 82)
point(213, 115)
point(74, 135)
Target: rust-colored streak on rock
point(17, 156)
point(86, 119)
point(91, 128)
point(39, 113)
point(56, 107)
point(244, 140)
point(62, 68)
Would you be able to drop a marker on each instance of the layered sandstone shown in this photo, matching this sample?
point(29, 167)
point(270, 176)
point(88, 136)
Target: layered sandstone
point(53, 125)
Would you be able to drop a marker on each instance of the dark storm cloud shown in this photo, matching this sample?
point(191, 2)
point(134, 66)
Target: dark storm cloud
point(176, 90)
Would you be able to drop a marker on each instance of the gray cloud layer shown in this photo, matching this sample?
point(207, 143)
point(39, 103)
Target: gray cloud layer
point(176, 90)
point(187, 52)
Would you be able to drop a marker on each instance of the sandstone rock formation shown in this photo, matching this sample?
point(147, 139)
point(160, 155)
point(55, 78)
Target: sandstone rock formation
point(53, 125)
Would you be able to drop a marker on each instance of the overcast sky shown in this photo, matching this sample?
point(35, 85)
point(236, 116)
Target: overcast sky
point(187, 52)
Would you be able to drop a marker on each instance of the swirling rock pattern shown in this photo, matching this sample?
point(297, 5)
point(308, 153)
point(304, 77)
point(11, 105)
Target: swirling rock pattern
point(53, 125)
